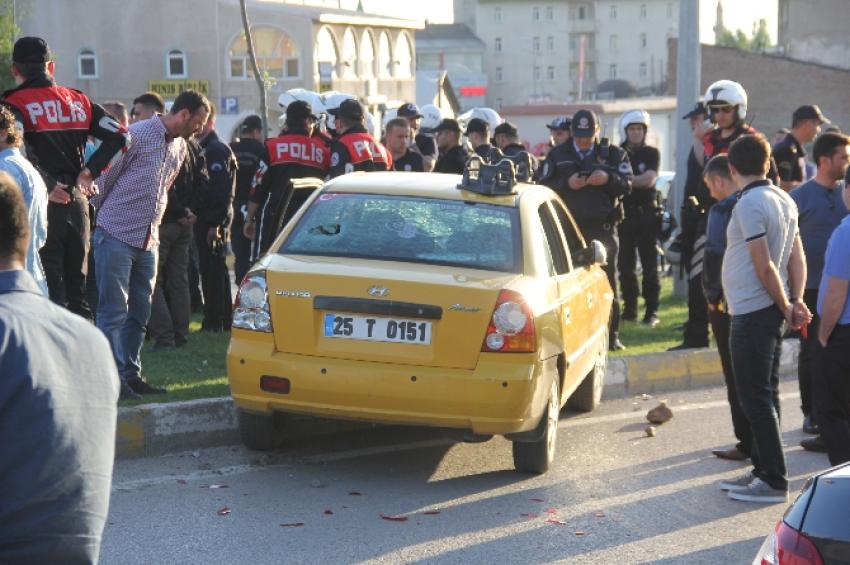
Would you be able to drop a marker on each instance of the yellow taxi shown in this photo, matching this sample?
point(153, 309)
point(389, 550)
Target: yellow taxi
point(467, 302)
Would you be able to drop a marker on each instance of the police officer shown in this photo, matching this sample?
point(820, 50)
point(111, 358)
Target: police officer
point(249, 152)
point(299, 152)
point(405, 159)
point(57, 122)
point(423, 143)
point(478, 134)
point(215, 214)
point(789, 154)
point(355, 149)
point(560, 136)
point(639, 228)
point(507, 140)
point(592, 179)
point(453, 155)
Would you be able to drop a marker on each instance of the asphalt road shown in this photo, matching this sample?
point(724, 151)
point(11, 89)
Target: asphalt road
point(614, 496)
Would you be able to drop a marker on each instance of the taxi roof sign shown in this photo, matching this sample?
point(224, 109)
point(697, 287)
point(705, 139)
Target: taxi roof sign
point(490, 180)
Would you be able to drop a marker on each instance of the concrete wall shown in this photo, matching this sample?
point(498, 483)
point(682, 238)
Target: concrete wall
point(815, 30)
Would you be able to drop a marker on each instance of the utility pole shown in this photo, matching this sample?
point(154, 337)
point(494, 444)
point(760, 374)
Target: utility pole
point(688, 62)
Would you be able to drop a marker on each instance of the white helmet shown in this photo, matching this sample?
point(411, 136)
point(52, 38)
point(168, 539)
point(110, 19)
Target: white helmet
point(489, 115)
point(633, 117)
point(727, 92)
point(431, 117)
point(332, 100)
point(294, 94)
point(371, 124)
point(390, 114)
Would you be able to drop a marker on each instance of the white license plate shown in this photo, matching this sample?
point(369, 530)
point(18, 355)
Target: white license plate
point(368, 328)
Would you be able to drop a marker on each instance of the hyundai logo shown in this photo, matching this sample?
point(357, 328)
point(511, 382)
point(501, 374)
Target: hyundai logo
point(378, 291)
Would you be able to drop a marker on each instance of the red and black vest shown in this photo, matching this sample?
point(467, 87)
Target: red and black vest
point(362, 148)
point(297, 149)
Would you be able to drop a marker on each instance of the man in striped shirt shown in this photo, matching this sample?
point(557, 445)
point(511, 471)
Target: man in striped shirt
point(131, 203)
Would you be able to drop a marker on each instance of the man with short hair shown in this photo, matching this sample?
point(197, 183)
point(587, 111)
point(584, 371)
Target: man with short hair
point(561, 136)
point(719, 181)
point(131, 203)
point(354, 148)
point(56, 147)
point(789, 154)
point(478, 134)
point(249, 150)
point(453, 155)
point(423, 143)
point(832, 390)
point(764, 274)
point(32, 188)
point(821, 209)
point(398, 144)
point(146, 106)
point(58, 413)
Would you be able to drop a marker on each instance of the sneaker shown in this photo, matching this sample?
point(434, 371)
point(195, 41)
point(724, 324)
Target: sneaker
point(814, 444)
point(759, 491)
point(616, 345)
point(140, 386)
point(809, 426)
point(128, 393)
point(651, 320)
point(742, 481)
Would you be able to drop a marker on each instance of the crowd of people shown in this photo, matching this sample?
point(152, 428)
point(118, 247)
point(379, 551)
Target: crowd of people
point(121, 217)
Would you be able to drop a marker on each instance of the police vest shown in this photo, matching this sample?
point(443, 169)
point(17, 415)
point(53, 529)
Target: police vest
point(713, 144)
point(362, 147)
point(299, 150)
point(52, 108)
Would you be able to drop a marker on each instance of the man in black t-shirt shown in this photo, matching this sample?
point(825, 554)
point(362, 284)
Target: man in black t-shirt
point(424, 144)
point(249, 151)
point(789, 154)
point(639, 228)
point(453, 155)
point(398, 144)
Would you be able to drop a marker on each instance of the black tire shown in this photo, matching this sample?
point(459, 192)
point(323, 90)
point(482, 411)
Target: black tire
point(536, 456)
point(588, 395)
point(260, 432)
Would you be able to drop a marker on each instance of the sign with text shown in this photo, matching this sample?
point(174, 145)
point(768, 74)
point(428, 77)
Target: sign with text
point(171, 88)
point(229, 105)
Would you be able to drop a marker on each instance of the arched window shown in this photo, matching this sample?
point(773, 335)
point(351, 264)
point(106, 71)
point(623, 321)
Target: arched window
point(277, 54)
point(385, 58)
point(403, 57)
point(367, 55)
point(326, 53)
point(87, 64)
point(349, 55)
point(175, 64)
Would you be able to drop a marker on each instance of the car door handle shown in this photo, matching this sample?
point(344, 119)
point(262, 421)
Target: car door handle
point(590, 300)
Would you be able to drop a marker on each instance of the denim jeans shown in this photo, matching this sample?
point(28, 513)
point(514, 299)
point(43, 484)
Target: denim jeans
point(756, 344)
point(125, 281)
point(831, 387)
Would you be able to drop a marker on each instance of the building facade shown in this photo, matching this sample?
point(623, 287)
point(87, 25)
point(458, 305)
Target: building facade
point(115, 51)
point(816, 31)
point(454, 49)
point(540, 52)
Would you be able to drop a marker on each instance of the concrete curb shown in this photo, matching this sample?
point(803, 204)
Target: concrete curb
point(155, 429)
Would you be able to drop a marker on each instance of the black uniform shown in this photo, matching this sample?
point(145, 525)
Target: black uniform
point(452, 161)
point(597, 209)
point(638, 232)
point(57, 122)
point(426, 144)
point(216, 211)
point(249, 153)
point(357, 150)
point(484, 151)
point(410, 162)
point(547, 172)
point(291, 155)
point(790, 159)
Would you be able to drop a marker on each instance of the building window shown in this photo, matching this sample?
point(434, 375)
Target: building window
point(277, 55)
point(367, 56)
point(613, 15)
point(175, 65)
point(535, 44)
point(643, 70)
point(612, 71)
point(497, 45)
point(499, 76)
point(550, 72)
point(326, 56)
point(535, 14)
point(643, 40)
point(497, 14)
point(550, 43)
point(87, 64)
point(573, 43)
point(643, 11)
point(572, 13)
point(612, 42)
point(669, 9)
point(536, 73)
point(582, 12)
point(404, 57)
point(550, 13)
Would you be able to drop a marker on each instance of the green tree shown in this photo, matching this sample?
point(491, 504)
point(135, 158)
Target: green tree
point(8, 32)
point(759, 41)
point(761, 37)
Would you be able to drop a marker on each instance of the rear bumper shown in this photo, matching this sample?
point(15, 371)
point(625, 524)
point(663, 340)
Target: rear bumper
point(505, 393)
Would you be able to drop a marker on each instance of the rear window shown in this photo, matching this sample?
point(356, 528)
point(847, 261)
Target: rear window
point(404, 228)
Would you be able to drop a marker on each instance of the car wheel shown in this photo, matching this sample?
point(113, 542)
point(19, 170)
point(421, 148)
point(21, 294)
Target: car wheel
point(589, 393)
point(536, 456)
point(261, 432)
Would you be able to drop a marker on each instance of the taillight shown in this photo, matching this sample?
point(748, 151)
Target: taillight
point(787, 546)
point(251, 309)
point(511, 328)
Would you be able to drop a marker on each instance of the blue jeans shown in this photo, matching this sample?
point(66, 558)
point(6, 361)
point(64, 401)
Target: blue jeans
point(756, 344)
point(125, 282)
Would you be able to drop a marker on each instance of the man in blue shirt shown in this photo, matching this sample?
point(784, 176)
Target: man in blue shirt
point(58, 395)
point(821, 209)
point(832, 383)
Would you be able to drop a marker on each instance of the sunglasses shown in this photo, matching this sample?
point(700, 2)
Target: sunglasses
point(722, 109)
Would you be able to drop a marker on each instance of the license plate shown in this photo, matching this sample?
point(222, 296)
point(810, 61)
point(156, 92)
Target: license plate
point(366, 328)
